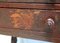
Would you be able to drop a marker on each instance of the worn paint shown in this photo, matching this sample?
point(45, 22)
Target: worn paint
point(20, 19)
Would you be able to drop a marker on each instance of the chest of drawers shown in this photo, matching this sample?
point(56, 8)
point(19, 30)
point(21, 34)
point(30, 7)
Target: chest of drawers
point(30, 20)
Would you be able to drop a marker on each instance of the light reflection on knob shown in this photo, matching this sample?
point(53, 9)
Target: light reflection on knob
point(50, 21)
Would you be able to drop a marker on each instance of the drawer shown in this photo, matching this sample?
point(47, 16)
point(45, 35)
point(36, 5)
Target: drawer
point(26, 20)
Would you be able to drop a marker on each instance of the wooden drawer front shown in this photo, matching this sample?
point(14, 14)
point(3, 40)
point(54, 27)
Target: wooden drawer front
point(25, 18)
point(33, 20)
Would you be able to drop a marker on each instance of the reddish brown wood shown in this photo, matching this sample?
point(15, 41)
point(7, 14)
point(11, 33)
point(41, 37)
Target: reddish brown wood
point(23, 5)
point(35, 32)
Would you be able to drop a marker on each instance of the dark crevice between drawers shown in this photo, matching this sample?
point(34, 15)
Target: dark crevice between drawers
point(30, 8)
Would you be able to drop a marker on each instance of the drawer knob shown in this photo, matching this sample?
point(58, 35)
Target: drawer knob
point(50, 21)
